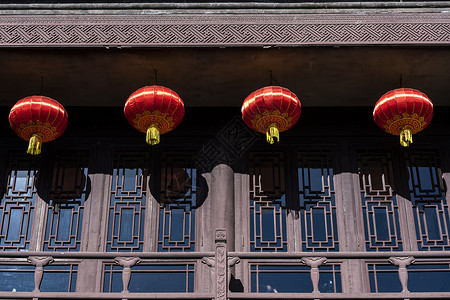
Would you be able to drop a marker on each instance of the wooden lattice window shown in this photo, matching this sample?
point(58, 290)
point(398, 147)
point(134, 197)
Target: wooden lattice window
point(379, 202)
point(182, 190)
point(268, 210)
point(427, 195)
point(18, 203)
point(128, 202)
point(317, 201)
point(70, 185)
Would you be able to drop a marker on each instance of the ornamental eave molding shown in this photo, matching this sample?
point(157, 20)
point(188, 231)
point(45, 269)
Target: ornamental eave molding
point(224, 30)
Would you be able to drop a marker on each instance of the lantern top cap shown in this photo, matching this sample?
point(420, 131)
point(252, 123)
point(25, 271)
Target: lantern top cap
point(152, 90)
point(286, 93)
point(401, 93)
point(47, 102)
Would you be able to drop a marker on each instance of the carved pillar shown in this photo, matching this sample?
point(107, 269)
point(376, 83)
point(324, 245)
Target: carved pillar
point(126, 263)
point(314, 263)
point(39, 262)
point(402, 263)
point(221, 264)
point(222, 201)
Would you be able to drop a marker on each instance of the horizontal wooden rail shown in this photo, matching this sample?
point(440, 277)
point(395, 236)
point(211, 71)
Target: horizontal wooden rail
point(108, 255)
point(337, 296)
point(338, 255)
point(88, 295)
point(242, 255)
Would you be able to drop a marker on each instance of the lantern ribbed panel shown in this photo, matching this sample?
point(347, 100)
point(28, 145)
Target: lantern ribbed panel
point(38, 115)
point(154, 105)
point(271, 105)
point(402, 108)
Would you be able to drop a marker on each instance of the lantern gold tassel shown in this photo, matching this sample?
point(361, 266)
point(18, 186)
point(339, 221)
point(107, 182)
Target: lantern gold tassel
point(152, 135)
point(35, 144)
point(405, 137)
point(272, 133)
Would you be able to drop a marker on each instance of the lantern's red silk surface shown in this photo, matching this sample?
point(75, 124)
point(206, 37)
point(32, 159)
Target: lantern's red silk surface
point(38, 119)
point(403, 112)
point(155, 110)
point(271, 110)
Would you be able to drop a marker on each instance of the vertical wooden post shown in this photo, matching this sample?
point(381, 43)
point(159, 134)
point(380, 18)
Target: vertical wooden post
point(126, 263)
point(221, 264)
point(314, 263)
point(39, 262)
point(402, 263)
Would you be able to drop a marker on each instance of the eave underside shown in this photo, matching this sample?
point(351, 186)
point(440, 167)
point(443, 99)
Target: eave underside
point(217, 59)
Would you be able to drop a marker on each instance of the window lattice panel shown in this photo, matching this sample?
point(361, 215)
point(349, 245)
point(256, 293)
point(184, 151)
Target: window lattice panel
point(268, 211)
point(379, 203)
point(181, 192)
point(127, 204)
point(317, 201)
point(17, 206)
point(427, 192)
point(68, 194)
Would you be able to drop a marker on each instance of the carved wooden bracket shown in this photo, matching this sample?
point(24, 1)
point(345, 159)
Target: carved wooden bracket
point(211, 262)
point(314, 263)
point(39, 262)
point(232, 261)
point(126, 263)
point(402, 263)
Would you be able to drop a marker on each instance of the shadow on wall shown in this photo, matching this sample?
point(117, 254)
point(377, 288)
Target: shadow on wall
point(178, 185)
point(70, 183)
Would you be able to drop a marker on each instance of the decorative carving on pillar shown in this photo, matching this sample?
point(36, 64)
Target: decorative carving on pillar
point(314, 263)
point(402, 263)
point(126, 263)
point(39, 262)
point(221, 265)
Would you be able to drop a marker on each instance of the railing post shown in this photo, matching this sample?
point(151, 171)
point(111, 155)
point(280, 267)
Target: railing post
point(402, 263)
point(221, 264)
point(39, 262)
point(126, 263)
point(314, 263)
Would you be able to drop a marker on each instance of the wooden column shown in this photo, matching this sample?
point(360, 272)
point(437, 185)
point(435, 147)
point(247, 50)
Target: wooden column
point(222, 201)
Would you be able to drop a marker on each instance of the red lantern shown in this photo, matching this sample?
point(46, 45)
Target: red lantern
point(155, 110)
point(403, 112)
point(271, 110)
point(38, 119)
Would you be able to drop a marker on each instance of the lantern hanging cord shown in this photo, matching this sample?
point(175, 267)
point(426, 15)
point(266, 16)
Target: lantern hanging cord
point(406, 136)
point(272, 133)
point(272, 78)
point(42, 84)
point(152, 135)
point(35, 144)
point(156, 76)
